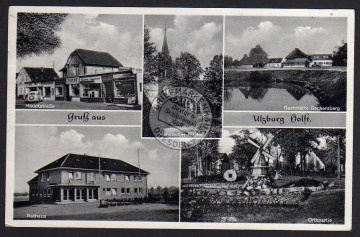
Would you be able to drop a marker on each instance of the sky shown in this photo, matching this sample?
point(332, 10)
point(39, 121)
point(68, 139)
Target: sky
point(201, 36)
point(119, 35)
point(226, 143)
point(278, 36)
point(35, 148)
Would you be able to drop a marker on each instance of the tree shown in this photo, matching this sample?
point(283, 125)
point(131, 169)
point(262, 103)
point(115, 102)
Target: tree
point(228, 61)
point(340, 55)
point(213, 85)
point(150, 59)
point(36, 33)
point(258, 56)
point(187, 68)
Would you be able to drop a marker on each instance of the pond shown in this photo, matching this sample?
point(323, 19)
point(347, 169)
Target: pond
point(267, 96)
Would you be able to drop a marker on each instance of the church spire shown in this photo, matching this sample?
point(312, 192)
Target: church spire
point(165, 48)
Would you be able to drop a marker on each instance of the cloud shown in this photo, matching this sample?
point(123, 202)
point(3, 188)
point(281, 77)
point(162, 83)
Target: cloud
point(88, 32)
point(279, 39)
point(242, 42)
point(194, 34)
point(38, 146)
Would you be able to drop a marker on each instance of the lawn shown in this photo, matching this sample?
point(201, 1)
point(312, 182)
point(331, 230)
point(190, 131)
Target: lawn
point(91, 211)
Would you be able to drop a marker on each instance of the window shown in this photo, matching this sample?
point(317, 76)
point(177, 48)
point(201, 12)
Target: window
point(127, 178)
point(107, 177)
point(122, 178)
point(49, 192)
point(122, 191)
point(128, 191)
point(108, 192)
point(136, 191)
point(113, 191)
point(113, 177)
point(78, 175)
point(42, 178)
point(47, 177)
point(137, 178)
point(140, 191)
point(92, 176)
point(71, 176)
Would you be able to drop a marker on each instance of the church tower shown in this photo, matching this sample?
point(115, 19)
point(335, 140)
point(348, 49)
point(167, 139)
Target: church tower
point(165, 48)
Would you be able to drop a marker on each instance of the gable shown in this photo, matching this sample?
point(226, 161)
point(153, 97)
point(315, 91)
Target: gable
point(22, 77)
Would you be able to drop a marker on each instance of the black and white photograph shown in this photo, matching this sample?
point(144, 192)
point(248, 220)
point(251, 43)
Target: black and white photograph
point(183, 52)
point(266, 175)
point(78, 61)
point(285, 63)
point(95, 173)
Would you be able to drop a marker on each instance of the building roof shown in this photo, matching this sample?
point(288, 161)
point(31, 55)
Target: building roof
point(275, 60)
point(77, 161)
point(33, 180)
point(165, 48)
point(296, 60)
point(38, 74)
point(296, 53)
point(245, 60)
point(321, 56)
point(96, 58)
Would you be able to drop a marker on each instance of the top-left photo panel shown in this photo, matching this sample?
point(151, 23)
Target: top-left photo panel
point(78, 61)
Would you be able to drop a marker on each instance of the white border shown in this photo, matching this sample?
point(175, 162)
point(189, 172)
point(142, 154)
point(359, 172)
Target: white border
point(10, 154)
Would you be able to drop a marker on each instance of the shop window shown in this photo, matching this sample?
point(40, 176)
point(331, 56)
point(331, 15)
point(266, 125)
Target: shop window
point(124, 88)
point(107, 177)
point(78, 175)
point(127, 178)
point(113, 177)
point(74, 90)
point(91, 90)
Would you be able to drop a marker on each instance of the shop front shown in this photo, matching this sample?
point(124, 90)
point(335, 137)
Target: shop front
point(91, 89)
point(46, 89)
point(73, 89)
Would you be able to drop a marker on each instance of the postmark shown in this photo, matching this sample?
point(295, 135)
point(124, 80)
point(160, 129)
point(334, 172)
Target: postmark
point(180, 112)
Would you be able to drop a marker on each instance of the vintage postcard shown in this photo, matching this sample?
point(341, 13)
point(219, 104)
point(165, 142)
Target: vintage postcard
point(180, 118)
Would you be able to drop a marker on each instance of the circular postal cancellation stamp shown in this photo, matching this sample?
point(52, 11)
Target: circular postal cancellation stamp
point(178, 114)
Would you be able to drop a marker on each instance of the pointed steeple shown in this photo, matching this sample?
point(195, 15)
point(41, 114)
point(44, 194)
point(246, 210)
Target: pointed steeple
point(165, 48)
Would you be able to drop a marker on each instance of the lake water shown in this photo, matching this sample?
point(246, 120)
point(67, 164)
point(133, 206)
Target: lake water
point(267, 96)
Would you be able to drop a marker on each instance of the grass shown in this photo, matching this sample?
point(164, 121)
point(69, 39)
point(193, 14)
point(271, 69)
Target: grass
point(90, 211)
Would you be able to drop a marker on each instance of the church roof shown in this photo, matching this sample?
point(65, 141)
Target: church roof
point(165, 47)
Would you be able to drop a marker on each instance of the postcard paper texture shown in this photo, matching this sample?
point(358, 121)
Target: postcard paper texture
point(180, 118)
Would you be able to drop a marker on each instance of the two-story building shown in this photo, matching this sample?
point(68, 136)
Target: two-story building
point(36, 79)
point(80, 178)
point(93, 76)
point(323, 60)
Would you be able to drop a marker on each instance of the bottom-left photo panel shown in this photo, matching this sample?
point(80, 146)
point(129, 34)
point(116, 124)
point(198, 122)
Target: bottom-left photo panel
point(93, 173)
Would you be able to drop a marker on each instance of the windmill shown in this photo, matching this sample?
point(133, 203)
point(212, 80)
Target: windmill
point(261, 166)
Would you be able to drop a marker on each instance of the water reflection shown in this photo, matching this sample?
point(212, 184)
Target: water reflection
point(267, 96)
